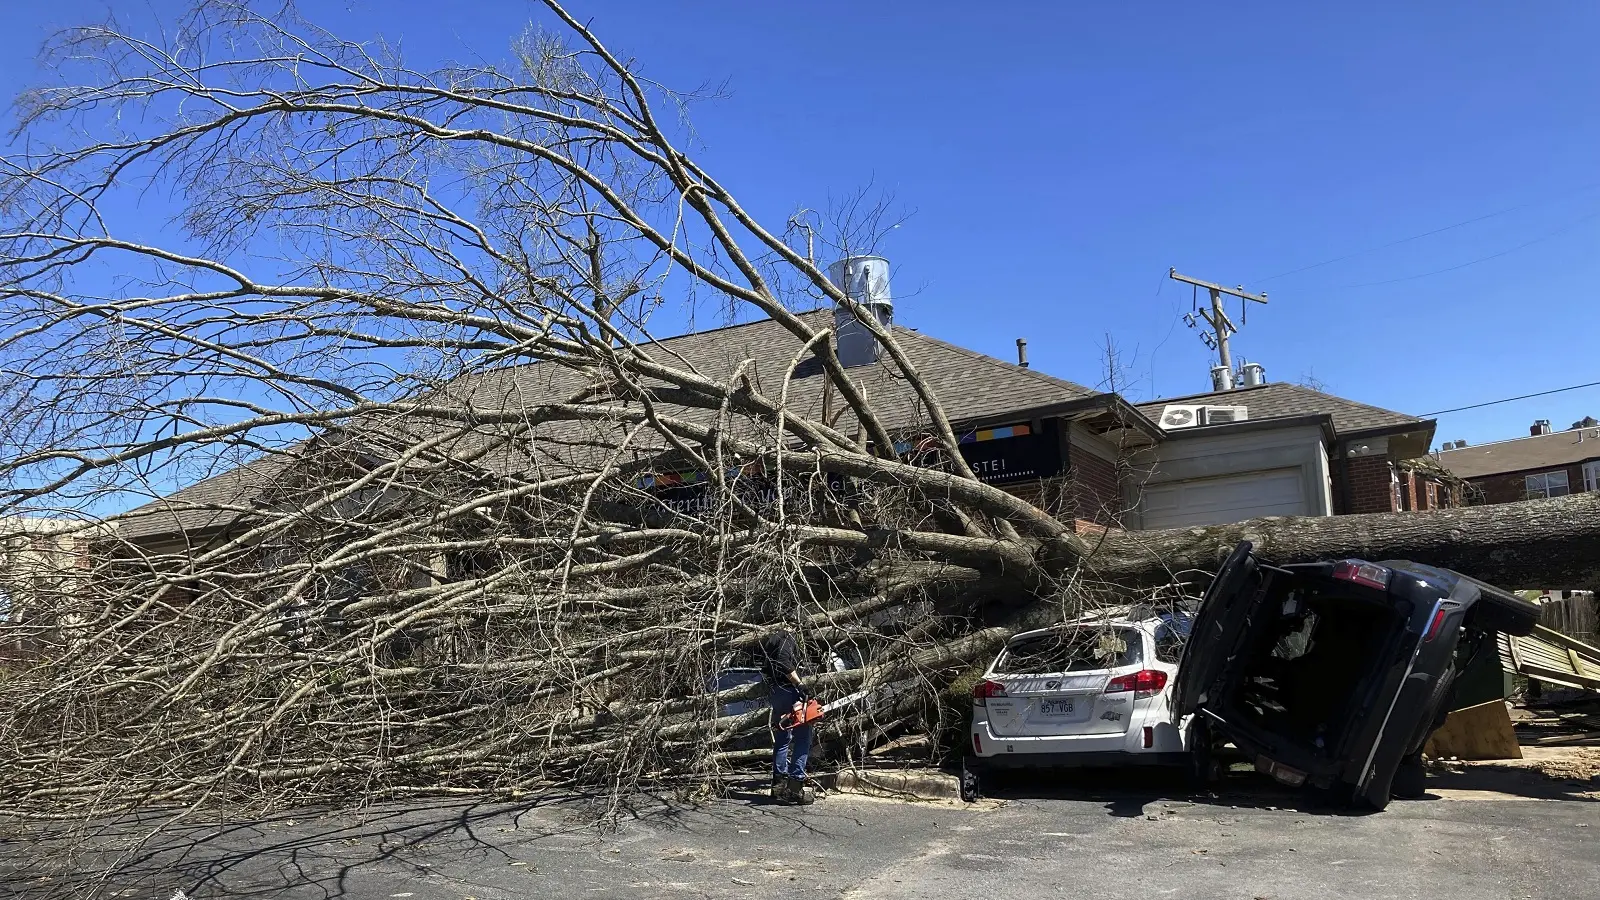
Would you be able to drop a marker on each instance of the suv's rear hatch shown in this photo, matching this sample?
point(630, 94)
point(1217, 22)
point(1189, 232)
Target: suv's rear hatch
point(1216, 631)
point(1055, 682)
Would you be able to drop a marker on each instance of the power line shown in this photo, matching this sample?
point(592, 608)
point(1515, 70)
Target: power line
point(1417, 237)
point(1510, 399)
point(1559, 231)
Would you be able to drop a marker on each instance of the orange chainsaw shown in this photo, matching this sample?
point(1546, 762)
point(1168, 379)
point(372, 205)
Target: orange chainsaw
point(808, 711)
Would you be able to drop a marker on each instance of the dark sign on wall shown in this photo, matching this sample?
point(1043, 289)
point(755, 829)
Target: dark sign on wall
point(1013, 452)
point(998, 455)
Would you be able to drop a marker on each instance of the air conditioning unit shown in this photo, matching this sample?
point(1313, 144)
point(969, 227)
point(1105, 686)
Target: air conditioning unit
point(1180, 415)
point(1218, 415)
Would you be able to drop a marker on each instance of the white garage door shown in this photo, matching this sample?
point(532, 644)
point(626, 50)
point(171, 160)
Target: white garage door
point(1233, 498)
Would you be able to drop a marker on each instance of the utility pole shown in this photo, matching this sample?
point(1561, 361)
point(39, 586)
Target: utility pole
point(1221, 326)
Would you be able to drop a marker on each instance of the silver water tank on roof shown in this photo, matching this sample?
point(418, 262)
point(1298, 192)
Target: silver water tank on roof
point(865, 280)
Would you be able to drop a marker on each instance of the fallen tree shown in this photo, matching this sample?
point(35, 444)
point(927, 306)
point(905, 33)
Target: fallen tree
point(1554, 544)
point(401, 347)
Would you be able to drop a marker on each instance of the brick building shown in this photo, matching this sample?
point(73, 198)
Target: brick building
point(43, 565)
point(1546, 463)
point(1281, 449)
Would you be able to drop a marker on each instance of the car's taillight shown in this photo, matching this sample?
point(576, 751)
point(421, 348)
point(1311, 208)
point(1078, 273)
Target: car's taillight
point(1439, 614)
point(1143, 684)
point(985, 690)
point(1149, 737)
point(977, 744)
point(1364, 573)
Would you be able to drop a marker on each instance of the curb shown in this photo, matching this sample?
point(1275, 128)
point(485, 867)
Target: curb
point(916, 784)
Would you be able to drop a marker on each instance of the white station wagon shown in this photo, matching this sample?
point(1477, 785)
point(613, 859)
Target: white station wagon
point(1093, 692)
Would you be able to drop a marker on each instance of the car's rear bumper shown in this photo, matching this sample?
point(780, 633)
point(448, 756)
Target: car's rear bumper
point(1089, 760)
point(1163, 737)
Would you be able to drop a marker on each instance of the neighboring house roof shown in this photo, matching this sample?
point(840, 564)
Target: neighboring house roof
point(970, 385)
point(206, 505)
point(1544, 451)
point(1278, 399)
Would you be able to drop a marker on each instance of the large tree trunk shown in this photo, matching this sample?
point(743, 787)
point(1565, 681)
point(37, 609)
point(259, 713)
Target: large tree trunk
point(1552, 544)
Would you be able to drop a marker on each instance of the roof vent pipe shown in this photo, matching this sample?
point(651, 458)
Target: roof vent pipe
point(865, 280)
point(1221, 378)
point(1022, 352)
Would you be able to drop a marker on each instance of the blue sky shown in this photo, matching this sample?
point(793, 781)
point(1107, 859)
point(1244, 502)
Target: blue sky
point(1058, 158)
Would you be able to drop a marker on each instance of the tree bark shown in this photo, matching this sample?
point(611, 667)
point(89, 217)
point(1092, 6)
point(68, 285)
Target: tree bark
point(1536, 544)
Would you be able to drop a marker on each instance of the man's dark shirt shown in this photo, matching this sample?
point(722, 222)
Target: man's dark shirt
point(778, 655)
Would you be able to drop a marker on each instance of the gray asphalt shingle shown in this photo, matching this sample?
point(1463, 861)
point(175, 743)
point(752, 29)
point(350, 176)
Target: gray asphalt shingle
point(1276, 399)
point(1545, 451)
point(970, 385)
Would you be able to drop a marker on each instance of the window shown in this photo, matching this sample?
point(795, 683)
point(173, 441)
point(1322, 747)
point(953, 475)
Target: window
point(1547, 484)
point(1171, 635)
point(1072, 650)
point(1591, 476)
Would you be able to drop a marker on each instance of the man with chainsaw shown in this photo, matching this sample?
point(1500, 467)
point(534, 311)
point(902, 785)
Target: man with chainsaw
point(779, 658)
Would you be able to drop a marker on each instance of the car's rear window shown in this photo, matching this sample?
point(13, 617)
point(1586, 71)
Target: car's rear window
point(1071, 650)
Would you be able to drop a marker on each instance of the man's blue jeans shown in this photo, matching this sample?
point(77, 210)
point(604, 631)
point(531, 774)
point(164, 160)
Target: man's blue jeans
point(791, 747)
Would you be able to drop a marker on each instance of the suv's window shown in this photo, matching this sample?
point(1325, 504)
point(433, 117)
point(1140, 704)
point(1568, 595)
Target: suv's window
point(1072, 650)
point(1171, 634)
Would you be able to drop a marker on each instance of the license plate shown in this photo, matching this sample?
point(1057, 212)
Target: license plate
point(1056, 707)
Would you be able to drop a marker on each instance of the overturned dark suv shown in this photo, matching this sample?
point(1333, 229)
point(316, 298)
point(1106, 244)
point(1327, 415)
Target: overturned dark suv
point(1333, 674)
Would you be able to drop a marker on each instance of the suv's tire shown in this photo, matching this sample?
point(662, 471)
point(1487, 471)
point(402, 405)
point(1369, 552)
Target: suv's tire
point(1410, 780)
point(1204, 769)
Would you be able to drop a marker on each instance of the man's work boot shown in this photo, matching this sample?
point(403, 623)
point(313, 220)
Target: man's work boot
point(780, 789)
point(797, 792)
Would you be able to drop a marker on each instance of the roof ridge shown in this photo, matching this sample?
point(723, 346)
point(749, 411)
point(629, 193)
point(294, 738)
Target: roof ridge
point(1525, 437)
point(1169, 400)
point(653, 342)
point(1285, 385)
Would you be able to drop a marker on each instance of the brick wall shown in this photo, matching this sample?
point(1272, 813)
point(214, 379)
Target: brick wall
point(1513, 487)
point(1371, 488)
point(1086, 491)
point(1096, 492)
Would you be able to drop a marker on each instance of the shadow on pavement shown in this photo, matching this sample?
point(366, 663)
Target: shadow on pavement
point(303, 854)
point(426, 847)
point(1126, 792)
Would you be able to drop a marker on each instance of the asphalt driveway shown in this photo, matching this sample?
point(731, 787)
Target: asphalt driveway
point(1047, 842)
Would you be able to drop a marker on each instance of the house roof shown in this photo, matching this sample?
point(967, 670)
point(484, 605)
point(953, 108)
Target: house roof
point(970, 385)
point(1276, 399)
point(208, 504)
point(1544, 451)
